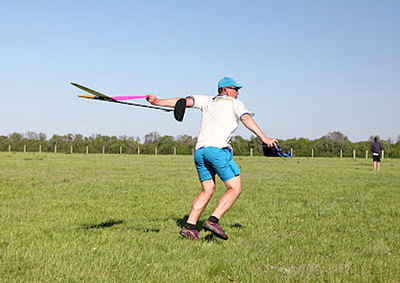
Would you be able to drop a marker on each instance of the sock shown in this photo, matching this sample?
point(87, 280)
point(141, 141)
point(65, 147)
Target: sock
point(190, 226)
point(213, 219)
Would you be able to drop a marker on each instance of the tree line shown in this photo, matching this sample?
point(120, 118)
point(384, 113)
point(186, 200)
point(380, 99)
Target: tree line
point(329, 145)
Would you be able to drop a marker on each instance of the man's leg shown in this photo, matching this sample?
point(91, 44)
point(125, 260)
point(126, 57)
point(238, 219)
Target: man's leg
point(201, 201)
point(378, 165)
point(374, 165)
point(234, 188)
point(199, 204)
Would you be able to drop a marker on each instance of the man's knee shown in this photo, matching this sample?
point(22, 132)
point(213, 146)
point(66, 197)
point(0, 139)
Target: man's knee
point(209, 191)
point(235, 188)
point(208, 187)
point(234, 184)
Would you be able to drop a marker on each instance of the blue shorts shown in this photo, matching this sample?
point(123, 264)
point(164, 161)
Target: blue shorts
point(213, 160)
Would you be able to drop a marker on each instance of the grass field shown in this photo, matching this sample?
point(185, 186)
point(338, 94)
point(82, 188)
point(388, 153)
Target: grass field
point(117, 218)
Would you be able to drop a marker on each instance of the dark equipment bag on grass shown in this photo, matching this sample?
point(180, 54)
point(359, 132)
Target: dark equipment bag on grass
point(274, 151)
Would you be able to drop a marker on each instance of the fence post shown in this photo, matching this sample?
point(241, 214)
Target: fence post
point(383, 154)
point(251, 151)
point(103, 149)
point(354, 153)
point(341, 153)
point(9, 148)
point(366, 154)
point(120, 150)
point(40, 148)
point(55, 148)
point(174, 150)
point(312, 152)
point(138, 150)
point(87, 149)
point(72, 150)
point(24, 147)
point(155, 151)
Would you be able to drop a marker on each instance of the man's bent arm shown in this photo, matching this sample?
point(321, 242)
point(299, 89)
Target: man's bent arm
point(250, 124)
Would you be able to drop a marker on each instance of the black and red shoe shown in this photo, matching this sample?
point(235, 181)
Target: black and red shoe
point(190, 234)
point(214, 228)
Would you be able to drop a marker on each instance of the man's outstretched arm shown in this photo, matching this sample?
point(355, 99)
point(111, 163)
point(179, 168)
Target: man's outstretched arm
point(169, 102)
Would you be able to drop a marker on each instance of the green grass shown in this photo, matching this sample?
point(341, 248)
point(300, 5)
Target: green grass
point(117, 218)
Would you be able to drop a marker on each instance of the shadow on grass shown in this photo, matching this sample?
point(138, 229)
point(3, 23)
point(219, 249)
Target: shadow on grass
point(237, 225)
point(152, 230)
point(211, 238)
point(101, 225)
point(111, 223)
point(180, 222)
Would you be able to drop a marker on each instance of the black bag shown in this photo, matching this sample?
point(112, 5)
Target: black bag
point(274, 151)
point(269, 151)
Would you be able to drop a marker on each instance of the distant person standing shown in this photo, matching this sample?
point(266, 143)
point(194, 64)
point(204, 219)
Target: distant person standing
point(376, 148)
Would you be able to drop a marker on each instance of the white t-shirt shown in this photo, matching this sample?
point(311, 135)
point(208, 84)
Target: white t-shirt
point(220, 119)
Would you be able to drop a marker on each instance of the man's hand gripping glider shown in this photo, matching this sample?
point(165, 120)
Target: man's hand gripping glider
point(213, 155)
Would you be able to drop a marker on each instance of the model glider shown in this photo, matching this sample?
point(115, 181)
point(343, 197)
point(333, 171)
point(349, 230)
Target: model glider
point(179, 109)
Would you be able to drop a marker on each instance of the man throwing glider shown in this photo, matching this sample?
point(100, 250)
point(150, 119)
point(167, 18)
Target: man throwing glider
point(213, 155)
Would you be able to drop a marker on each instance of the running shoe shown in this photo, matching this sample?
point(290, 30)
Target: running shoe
point(190, 234)
point(215, 228)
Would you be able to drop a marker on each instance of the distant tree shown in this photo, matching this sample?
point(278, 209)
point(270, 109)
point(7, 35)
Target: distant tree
point(166, 139)
point(256, 144)
point(166, 145)
point(68, 138)
point(78, 138)
point(151, 141)
point(42, 137)
point(32, 136)
point(337, 136)
point(56, 140)
point(301, 146)
point(185, 144)
point(184, 139)
point(332, 143)
point(79, 143)
point(240, 145)
point(3, 143)
point(33, 141)
point(152, 137)
point(15, 137)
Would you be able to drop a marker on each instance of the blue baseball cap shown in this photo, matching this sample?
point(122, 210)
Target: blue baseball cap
point(224, 82)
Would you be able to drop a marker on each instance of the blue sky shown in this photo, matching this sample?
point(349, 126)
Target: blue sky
point(308, 67)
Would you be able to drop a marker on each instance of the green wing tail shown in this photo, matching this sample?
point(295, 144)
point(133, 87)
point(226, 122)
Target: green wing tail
point(92, 91)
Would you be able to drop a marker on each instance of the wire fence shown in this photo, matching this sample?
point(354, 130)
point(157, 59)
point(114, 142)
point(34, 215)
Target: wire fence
point(174, 151)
